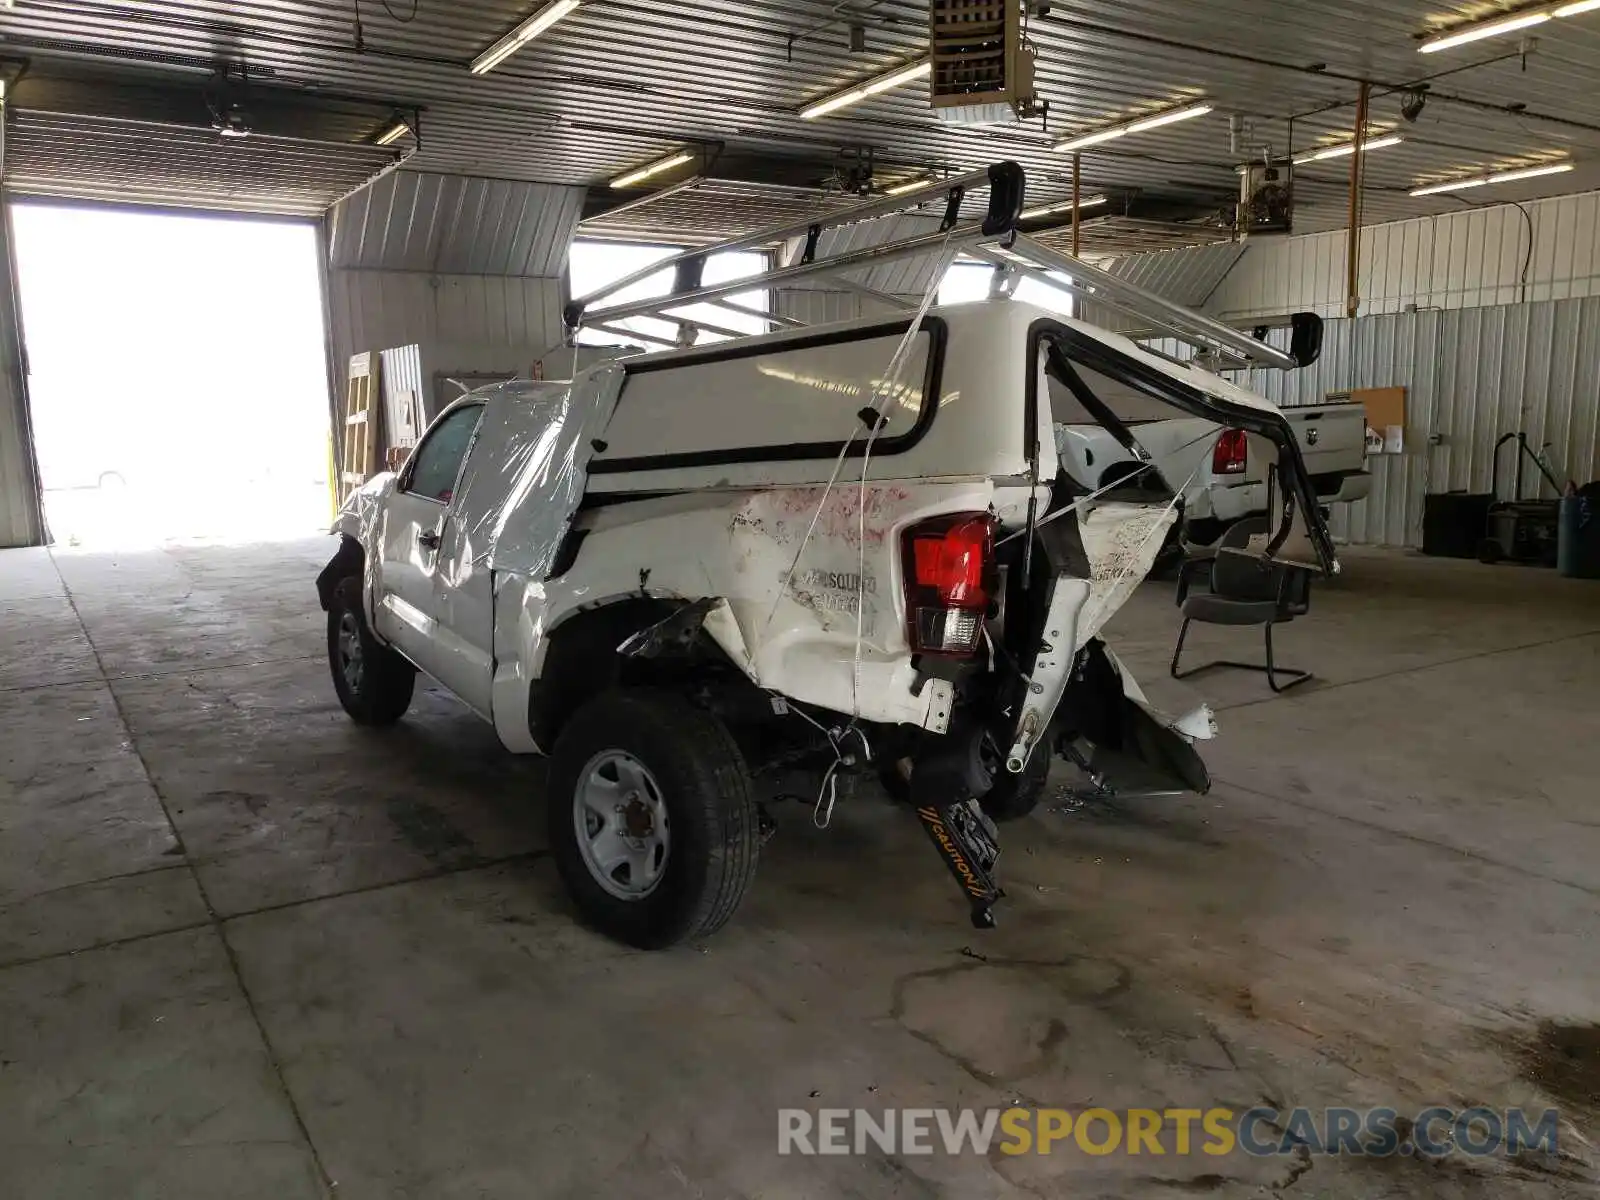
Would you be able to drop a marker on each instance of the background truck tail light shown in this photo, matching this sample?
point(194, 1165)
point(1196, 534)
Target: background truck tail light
point(947, 564)
point(1231, 454)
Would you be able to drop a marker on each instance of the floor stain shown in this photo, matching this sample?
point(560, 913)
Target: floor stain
point(430, 832)
point(1564, 1060)
point(932, 1006)
point(1123, 813)
point(1198, 1184)
point(253, 802)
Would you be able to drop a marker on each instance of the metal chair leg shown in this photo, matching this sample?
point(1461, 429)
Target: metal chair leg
point(1177, 650)
point(1293, 675)
point(1272, 670)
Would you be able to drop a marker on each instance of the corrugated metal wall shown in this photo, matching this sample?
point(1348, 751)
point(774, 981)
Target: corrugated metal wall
point(1459, 260)
point(21, 518)
point(449, 259)
point(1470, 375)
point(455, 225)
point(373, 310)
point(818, 299)
point(817, 307)
point(1187, 276)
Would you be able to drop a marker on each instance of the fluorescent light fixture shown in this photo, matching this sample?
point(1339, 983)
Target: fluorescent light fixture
point(1457, 186)
point(1167, 118)
point(1045, 210)
point(1498, 177)
point(1572, 10)
point(1137, 126)
point(1530, 172)
point(394, 133)
point(1487, 29)
point(655, 168)
point(519, 37)
point(1344, 148)
point(898, 77)
point(1091, 139)
point(910, 185)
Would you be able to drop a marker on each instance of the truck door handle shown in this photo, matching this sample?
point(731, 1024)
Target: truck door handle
point(428, 539)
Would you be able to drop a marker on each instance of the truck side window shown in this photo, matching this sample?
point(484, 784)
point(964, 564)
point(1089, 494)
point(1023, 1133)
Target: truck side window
point(437, 461)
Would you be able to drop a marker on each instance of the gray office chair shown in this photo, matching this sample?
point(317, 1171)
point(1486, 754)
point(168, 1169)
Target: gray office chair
point(1244, 591)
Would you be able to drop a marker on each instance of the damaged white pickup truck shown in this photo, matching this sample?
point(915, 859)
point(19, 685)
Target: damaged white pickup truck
point(846, 546)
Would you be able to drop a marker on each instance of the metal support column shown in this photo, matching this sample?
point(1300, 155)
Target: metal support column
point(1358, 168)
point(21, 507)
point(1077, 241)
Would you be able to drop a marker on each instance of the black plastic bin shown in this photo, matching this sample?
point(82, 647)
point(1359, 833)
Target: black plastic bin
point(1578, 541)
point(1452, 523)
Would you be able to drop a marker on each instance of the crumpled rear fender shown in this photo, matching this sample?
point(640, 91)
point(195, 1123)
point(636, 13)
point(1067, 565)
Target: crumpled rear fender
point(786, 567)
point(1137, 747)
point(348, 560)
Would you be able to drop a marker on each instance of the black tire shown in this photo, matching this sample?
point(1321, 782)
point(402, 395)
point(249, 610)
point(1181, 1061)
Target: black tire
point(1205, 532)
point(1169, 559)
point(1009, 799)
point(376, 689)
point(1015, 796)
point(694, 774)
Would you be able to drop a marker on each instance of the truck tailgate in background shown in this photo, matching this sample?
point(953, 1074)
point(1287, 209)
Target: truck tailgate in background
point(1332, 437)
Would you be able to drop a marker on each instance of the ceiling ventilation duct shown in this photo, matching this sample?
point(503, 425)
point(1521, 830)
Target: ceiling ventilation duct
point(983, 66)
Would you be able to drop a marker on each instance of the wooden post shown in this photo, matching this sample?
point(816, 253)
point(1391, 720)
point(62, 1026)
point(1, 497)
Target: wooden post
point(1077, 243)
point(1358, 165)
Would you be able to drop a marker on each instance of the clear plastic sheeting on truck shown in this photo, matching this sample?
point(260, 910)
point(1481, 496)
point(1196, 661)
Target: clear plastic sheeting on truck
point(526, 476)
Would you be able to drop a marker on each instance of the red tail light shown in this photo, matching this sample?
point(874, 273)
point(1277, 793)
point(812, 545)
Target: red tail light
point(1232, 453)
point(946, 562)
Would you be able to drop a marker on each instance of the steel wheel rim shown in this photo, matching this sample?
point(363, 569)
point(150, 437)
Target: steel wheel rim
point(351, 665)
point(619, 814)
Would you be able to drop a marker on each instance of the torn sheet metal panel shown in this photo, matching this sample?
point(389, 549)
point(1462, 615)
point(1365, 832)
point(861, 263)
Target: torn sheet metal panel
point(1153, 753)
point(1121, 542)
point(1050, 671)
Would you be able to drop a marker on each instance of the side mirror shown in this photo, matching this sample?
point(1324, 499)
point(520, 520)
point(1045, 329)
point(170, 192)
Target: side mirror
point(1305, 338)
point(1007, 184)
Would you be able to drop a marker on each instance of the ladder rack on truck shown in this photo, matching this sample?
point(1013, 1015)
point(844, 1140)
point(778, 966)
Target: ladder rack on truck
point(995, 239)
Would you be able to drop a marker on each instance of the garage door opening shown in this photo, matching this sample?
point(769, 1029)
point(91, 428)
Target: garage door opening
point(177, 381)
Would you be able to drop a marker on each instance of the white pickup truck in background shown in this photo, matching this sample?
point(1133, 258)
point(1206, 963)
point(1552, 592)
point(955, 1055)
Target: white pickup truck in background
point(1220, 480)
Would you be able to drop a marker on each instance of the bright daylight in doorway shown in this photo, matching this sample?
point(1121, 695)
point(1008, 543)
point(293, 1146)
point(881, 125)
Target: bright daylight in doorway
point(178, 381)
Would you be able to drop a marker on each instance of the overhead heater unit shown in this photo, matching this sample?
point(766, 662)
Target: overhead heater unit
point(982, 63)
point(1266, 198)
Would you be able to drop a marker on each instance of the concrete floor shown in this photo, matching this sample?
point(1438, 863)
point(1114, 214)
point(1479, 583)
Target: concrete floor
point(249, 950)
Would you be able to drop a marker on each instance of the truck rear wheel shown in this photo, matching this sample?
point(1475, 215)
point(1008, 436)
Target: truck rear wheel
point(652, 824)
point(1015, 796)
point(374, 682)
point(1011, 797)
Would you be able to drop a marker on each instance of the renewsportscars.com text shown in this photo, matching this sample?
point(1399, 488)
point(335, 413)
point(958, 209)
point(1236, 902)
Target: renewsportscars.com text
point(1373, 1132)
